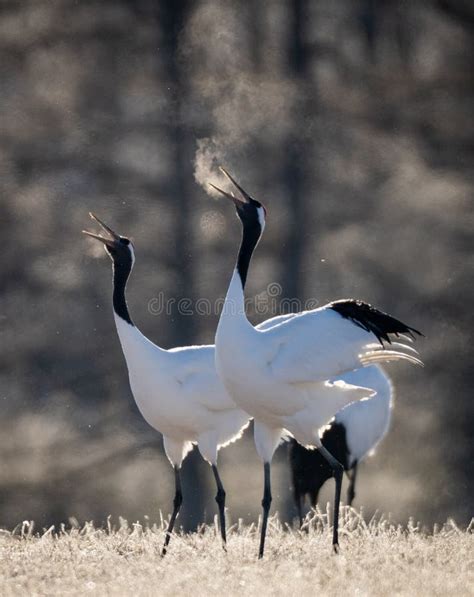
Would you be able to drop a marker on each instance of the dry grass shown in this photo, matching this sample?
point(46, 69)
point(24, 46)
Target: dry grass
point(377, 558)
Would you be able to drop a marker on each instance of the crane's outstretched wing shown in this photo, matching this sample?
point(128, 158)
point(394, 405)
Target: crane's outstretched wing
point(324, 343)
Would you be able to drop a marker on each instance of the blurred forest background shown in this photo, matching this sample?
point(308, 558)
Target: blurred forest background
point(351, 120)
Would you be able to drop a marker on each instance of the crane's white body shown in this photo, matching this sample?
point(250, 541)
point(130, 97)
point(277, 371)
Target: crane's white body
point(179, 393)
point(280, 375)
point(367, 421)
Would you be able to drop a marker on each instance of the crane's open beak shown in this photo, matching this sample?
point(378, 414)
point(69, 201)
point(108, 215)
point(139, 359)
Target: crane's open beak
point(237, 200)
point(109, 240)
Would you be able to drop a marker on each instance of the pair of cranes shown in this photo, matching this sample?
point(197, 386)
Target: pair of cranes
point(286, 373)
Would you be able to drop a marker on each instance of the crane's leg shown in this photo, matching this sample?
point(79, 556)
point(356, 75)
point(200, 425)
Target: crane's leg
point(351, 489)
point(220, 499)
point(266, 502)
point(338, 472)
point(178, 500)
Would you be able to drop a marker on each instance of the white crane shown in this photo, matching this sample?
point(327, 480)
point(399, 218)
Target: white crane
point(280, 375)
point(177, 391)
point(351, 435)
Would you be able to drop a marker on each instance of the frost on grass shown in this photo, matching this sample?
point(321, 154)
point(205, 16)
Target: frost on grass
point(377, 558)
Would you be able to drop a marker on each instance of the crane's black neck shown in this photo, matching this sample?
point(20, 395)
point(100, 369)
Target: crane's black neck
point(120, 277)
point(250, 236)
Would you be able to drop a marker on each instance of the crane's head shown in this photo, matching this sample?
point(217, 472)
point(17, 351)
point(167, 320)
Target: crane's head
point(251, 213)
point(119, 248)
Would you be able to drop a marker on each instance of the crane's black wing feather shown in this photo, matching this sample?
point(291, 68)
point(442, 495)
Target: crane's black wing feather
point(372, 320)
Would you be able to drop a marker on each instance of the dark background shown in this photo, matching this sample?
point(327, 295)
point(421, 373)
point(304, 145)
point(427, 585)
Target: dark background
point(351, 120)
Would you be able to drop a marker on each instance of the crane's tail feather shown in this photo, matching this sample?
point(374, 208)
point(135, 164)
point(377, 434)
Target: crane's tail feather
point(405, 337)
point(399, 345)
point(385, 356)
point(375, 347)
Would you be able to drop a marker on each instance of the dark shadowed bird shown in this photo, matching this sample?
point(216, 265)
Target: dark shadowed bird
point(353, 434)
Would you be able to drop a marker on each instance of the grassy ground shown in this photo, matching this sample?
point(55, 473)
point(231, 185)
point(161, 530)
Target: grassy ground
point(377, 558)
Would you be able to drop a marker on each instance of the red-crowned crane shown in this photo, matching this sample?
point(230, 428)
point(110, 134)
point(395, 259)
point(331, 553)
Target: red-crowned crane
point(280, 375)
point(177, 391)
